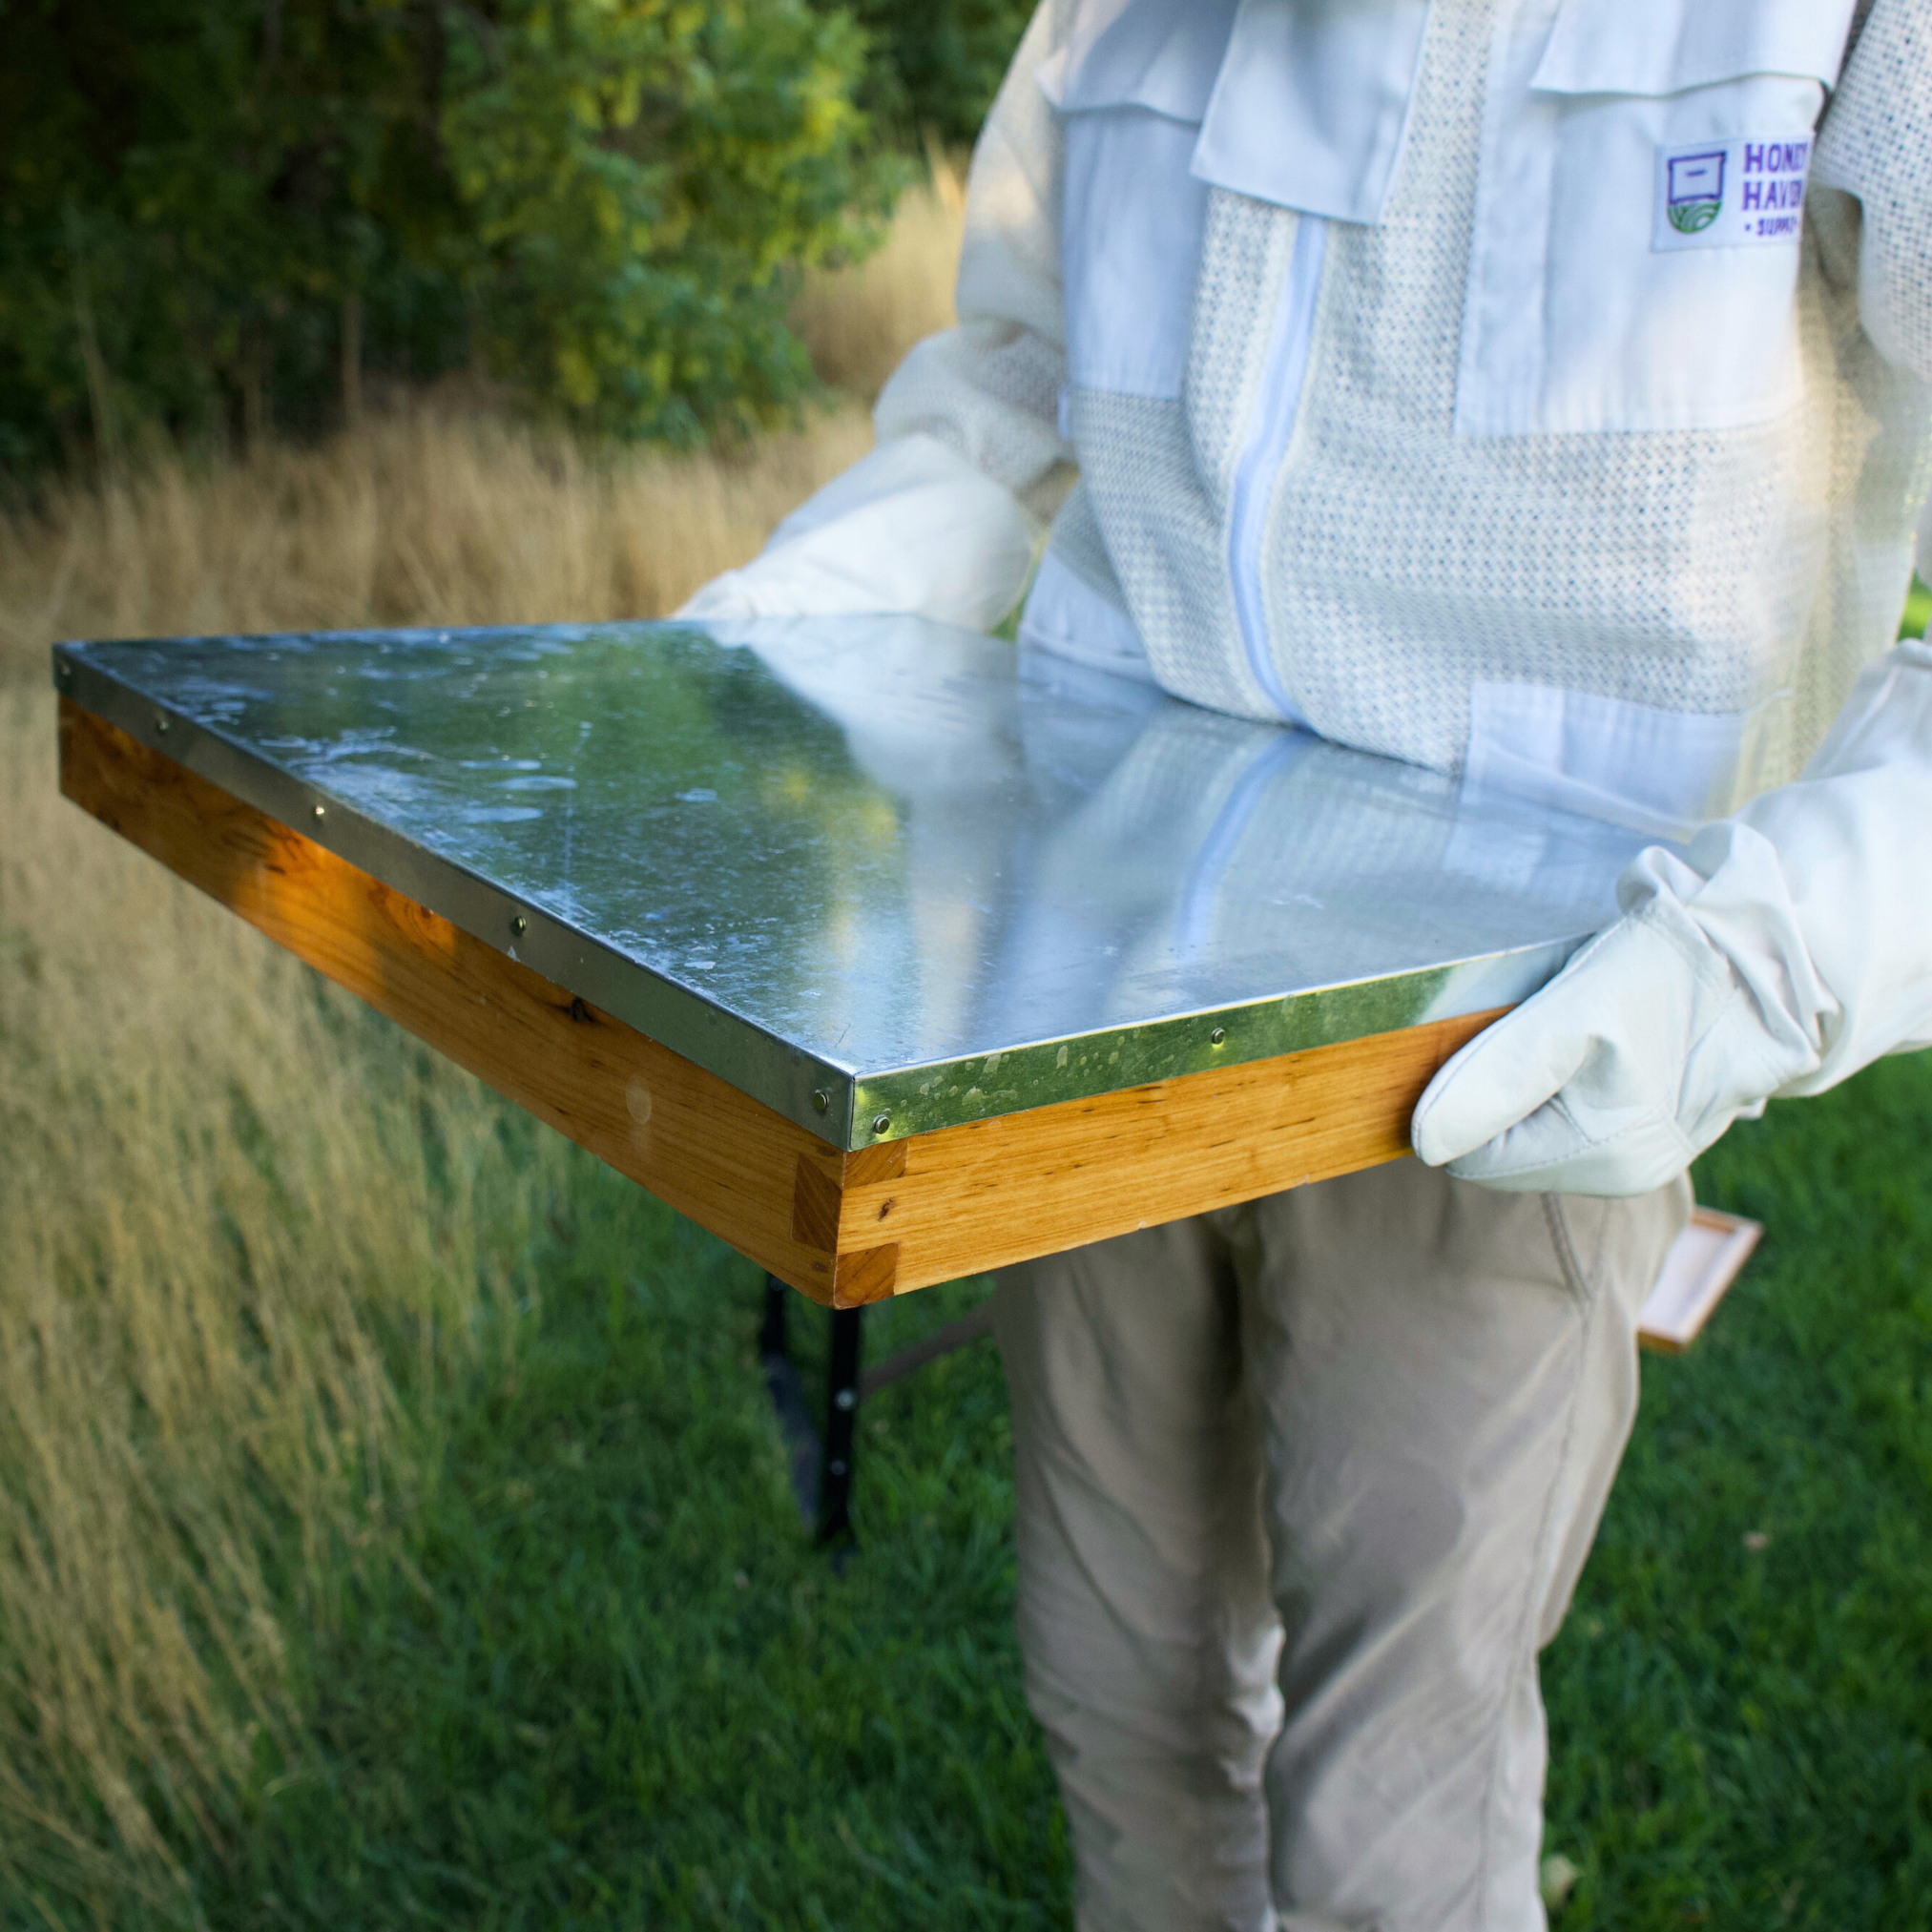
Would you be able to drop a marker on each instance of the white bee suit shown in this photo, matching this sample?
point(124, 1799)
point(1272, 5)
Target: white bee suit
point(1529, 390)
point(1425, 440)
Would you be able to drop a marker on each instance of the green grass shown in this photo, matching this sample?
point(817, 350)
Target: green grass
point(618, 1687)
point(1744, 1734)
point(610, 1683)
point(1917, 609)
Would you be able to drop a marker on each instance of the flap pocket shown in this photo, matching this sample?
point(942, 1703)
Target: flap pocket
point(1665, 47)
point(1131, 87)
point(1303, 103)
point(1147, 53)
point(1312, 105)
point(1639, 214)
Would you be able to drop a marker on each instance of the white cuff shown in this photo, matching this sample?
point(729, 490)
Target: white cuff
point(912, 529)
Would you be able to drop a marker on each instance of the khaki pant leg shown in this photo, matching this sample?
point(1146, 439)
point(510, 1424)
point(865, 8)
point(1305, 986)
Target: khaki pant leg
point(1448, 1378)
point(1148, 1636)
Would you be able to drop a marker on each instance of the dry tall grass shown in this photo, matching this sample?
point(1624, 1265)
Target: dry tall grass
point(219, 1227)
point(224, 1257)
point(432, 515)
point(422, 517)
point(859, 322)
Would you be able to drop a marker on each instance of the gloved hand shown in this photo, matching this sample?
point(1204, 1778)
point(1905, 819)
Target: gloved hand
point(1790, 947)
point(911, 528)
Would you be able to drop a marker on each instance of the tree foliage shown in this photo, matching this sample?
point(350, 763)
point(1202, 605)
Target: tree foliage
point(217, 208)
point(938, 63)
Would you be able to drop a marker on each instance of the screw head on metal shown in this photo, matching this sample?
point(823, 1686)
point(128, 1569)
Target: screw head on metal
point(881, 1123)
point(1215, 1038)
point(519, 926)
point(322, 811)
point(846, 1399)
point(820, 1100)
point(160, 721)
point(837, 1468)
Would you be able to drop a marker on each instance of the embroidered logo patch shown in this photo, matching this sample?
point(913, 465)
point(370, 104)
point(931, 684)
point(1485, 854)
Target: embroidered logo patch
point(1731, 193)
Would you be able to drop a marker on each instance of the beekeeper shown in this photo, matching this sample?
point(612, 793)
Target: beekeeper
point(1535, 389)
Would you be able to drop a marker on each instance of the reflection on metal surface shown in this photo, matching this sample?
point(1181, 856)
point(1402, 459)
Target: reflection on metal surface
point(883, 874)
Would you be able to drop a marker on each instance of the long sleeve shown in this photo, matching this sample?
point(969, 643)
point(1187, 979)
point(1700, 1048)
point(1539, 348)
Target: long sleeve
point(942, 519)
point(1791, 944)
point(989, 388)
point(1851, 842)
point(1784, 949)
point(1871, 146)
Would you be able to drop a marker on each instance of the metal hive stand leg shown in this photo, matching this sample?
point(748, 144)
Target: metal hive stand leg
point(842, 1421)
point(821, 1468)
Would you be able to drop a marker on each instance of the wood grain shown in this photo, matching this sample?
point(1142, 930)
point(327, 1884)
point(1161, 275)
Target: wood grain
point(714, 1154)
point(845, 1228)
point(999, 1191)
point(870, 1275)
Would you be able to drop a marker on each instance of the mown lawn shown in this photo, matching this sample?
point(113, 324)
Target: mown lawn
point(620, 1686)
point(612, 1685)
point(1743, 1698)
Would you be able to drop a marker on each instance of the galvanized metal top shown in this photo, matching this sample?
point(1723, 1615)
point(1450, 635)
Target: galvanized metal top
point(883, 874)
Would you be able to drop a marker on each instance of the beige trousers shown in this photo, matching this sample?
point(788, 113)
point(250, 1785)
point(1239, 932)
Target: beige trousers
point(1303, 1486)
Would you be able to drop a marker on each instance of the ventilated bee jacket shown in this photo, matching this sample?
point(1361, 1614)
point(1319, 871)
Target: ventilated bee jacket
point(1531, 386)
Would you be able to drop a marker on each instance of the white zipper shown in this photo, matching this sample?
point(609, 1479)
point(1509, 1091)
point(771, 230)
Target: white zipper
point(1261, 464)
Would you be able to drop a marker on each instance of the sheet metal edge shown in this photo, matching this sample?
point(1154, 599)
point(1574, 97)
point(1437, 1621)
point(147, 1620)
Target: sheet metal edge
point(912, 1100)
point(723, 1042)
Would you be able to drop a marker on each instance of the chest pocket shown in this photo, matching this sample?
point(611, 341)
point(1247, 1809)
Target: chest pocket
point(1639, 206)
point(1131, 89)
point(1303, 103)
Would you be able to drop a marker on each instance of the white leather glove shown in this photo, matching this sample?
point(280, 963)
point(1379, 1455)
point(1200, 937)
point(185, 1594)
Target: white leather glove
point(912, 528)
point(1790, 945)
